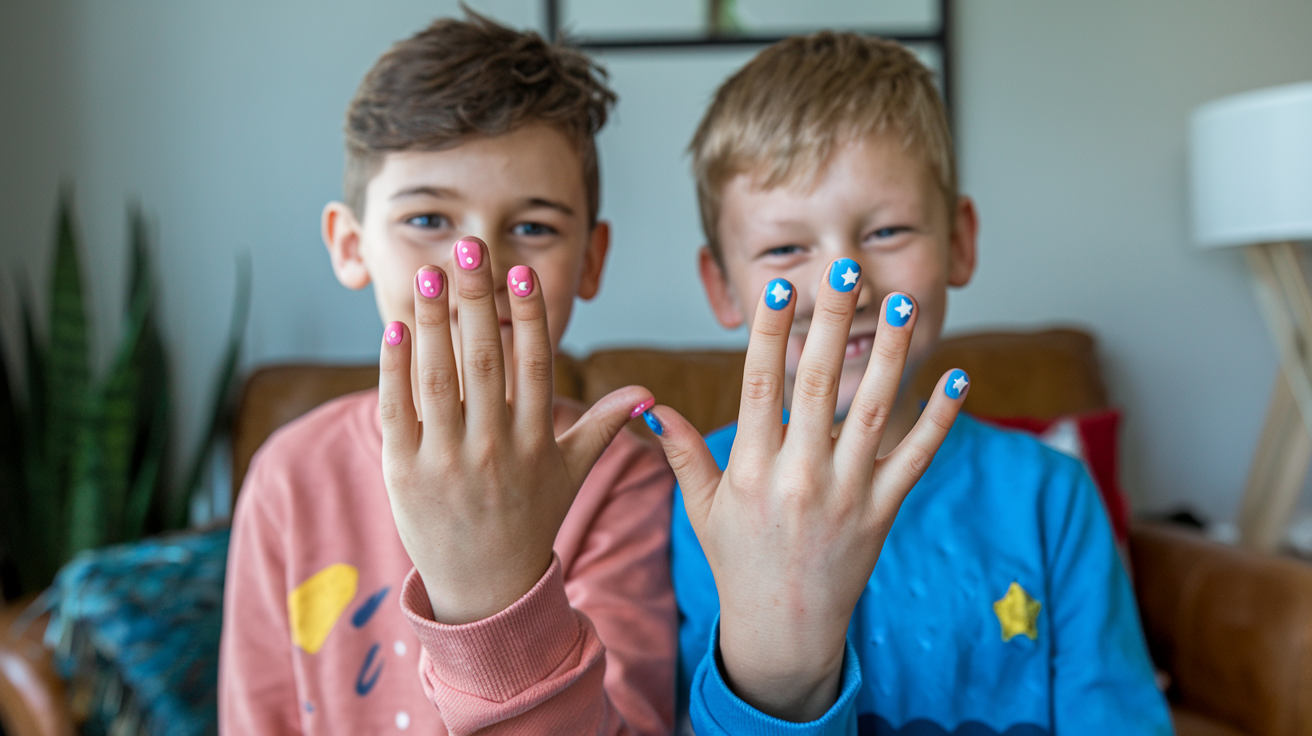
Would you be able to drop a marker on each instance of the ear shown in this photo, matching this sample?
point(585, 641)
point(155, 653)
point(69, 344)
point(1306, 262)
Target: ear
point(718, 292)
point(594, 260)
point(961, 248)
point(341, 234)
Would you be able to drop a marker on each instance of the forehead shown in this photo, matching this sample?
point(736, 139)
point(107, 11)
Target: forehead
point(532, 161)
point(861, 176)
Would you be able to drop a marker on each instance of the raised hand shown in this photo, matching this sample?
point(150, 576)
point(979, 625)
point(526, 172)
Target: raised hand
point(480, 486)
point(793, 526)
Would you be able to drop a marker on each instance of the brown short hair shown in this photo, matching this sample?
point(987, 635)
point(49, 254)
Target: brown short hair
point(785, 112)
point(461, 79)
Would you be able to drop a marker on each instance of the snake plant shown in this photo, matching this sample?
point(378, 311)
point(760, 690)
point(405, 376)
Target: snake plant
point(85, 460)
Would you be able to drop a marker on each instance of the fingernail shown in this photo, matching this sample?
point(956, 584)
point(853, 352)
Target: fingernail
point(640, 408)
point(395, 332)
point(521, 282)
point(899, 311)
point(653, 423)
point(957, 382)
point(468, 253)
point(843, 274)
point(430, 283)
point(778, 293)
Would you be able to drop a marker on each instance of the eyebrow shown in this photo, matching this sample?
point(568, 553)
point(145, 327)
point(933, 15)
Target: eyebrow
point(439, 192)
point(533, 202)
point(445, 193)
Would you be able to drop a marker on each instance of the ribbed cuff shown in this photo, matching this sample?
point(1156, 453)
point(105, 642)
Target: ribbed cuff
point(715, 709)
point(503, 655)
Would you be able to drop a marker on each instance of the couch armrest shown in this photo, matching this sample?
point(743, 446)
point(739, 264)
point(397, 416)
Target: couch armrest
point(1233, 628)
point(32, 697)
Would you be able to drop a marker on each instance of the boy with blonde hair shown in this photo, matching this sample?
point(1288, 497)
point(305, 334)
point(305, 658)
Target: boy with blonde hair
point(999, 605)
point(525, 540)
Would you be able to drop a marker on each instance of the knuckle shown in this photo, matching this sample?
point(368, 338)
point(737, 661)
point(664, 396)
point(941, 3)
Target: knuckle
point(889, 351)
point(436, 382)
point(536, 368)
point(817, 385)
point(917, 462)
point(759, 386)
point(390, 412)
point(872, 417)
point(772, 328)
point(831, 314)
point(483, 362)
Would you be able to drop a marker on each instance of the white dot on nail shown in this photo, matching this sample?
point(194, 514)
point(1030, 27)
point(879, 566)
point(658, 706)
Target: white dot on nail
point(402, 720)
point(428, 284)
point(392, 334)
point(399, 648)
point(469, 260)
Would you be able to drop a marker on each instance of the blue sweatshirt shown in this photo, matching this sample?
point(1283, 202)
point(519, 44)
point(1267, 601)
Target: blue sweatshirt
point(999, 606)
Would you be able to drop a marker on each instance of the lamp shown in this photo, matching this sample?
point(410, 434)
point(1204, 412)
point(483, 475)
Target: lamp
point(1251, 182)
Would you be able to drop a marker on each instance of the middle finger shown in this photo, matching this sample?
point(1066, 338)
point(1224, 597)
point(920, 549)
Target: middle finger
point(815, 390)
point(482, 361)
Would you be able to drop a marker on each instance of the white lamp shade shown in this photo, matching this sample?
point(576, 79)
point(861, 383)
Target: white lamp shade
point(1252, 167)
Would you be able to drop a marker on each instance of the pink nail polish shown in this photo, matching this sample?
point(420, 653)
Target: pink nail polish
point(520, 279)
point(640, 408)
point(430, 283)
point(468, 253)
point(395, 331)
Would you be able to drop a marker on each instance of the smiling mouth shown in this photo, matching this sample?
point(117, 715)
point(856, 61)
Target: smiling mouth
point(858, 346)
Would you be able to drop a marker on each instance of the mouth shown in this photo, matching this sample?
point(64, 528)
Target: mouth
point(858, 346)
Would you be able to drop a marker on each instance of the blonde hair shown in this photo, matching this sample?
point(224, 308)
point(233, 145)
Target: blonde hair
point(783, 114)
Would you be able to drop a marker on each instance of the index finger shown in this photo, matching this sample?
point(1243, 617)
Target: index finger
point(760, 410)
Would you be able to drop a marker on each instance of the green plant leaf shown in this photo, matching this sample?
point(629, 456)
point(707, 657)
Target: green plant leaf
point(67, 369)
point(87, 509)
point(221, 394)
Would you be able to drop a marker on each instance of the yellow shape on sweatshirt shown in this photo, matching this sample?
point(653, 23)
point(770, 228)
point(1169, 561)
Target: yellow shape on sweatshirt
point(1018, 613)
point(314, 606)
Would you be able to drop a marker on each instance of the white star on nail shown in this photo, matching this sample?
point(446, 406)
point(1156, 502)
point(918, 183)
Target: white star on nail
point(903, 309)
point(780, 294)
point(959, 384)
point(849, 276)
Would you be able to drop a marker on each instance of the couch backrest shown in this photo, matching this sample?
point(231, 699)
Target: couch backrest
point(1039, 374)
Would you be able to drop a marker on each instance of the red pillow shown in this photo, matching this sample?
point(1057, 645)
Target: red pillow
point(1090, 438)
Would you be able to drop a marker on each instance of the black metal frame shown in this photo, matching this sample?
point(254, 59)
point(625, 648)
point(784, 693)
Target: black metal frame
point(942, 39)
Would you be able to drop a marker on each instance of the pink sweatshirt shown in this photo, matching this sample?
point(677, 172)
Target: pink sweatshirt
point(314, 640)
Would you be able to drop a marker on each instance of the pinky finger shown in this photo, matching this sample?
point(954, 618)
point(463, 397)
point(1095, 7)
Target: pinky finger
point(901, 469)
point(396, 404)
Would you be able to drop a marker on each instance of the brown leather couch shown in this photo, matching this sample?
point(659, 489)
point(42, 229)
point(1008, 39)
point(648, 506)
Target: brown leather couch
point(1231, 629)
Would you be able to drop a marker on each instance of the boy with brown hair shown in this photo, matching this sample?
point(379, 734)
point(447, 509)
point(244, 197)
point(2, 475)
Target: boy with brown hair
point(999, 605)
point(524, 538)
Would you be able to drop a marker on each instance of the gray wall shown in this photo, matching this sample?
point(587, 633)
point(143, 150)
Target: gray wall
point(224, 119)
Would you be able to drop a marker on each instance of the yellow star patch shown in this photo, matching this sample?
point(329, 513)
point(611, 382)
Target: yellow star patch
point(1018, 613)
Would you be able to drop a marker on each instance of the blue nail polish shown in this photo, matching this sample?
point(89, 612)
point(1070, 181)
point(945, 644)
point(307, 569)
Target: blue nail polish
point(778, 293)
point(653, 423)
point(899, 310)
point(843, 274)
point(957, 382)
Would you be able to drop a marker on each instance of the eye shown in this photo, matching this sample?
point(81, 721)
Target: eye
point(429, 222)
point(782, 250)
point(532, 229)
point(884, 233)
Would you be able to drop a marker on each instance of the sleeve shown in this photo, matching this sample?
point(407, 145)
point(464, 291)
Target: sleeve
point(540, 665)
point(717, 711)
point(1102, 676)
point(257, 688)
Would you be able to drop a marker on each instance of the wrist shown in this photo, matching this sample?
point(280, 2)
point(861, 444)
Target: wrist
point(794, 678)
point(465, 596)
